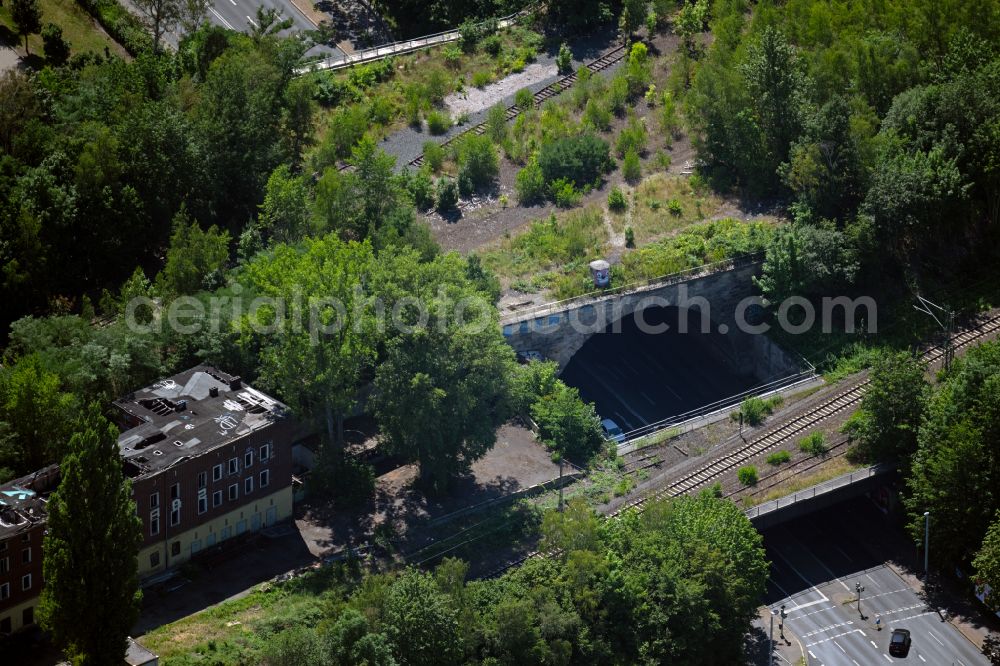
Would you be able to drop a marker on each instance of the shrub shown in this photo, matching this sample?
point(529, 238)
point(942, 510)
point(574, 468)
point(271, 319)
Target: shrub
point(478, 162)
point(747, 475)
point(496, 123)
point(668, 115)
point(344, 129)
point(453, 56)
point(813, 444)
point(631, 168)
point(651, 95)
point(651, 22)
point(638, 72)
point(629, 237)
point(518, 65)
point(631, 138)
point(755, 409)
point(447, 195)
point(779, 458)
point(492, 45)
point(618, 94)
point(524, 99)
point(421, 188)
point(437, 86)
point(530, 183)
point(438, 122)
point(580, 159)
point(469, 35)
point(380, 110)
point(481, 78)
point(434, 155)
point(616, 199)
point(563, 193)
point(597, 115)
point(564, 59)
point(674, 206)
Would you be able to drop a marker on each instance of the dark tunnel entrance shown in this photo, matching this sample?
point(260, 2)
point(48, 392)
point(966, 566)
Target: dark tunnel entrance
point(636, 377)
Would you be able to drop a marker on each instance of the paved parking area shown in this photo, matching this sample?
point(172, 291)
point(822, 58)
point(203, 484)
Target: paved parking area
point(816, 564)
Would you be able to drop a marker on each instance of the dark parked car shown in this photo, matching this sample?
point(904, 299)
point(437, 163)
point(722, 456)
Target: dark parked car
point(899, 643)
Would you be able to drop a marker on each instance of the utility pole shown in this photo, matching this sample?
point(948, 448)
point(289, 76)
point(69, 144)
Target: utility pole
point(927, 542)
point(770, 659)
point(947, 326)
point(859, 588)
point(560, 483)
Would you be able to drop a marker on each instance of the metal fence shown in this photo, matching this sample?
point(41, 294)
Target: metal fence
point(819, 489)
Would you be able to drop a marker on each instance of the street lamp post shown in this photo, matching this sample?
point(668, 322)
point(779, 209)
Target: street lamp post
point(859, 588)
point(770, 659)
point(927, 540)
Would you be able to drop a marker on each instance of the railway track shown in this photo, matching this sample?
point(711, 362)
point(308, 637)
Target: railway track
point(832, 406)
point(607, 60)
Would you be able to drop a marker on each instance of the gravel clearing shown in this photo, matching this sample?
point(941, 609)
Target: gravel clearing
point(473, 100)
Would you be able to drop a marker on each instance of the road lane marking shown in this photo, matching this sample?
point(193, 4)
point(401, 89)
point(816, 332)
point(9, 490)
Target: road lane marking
point(827, 628)
point(841, 648)
point(811, 654)
point(873, 644)
point(834, 638)
point(650, 400)
point(922, 658)
point(849, 558)
point(219, 16)
point(887, 657)
point(933, 635)
point(855, 662)
point(252, 22)
point(799, 573)
point(811, 603)
point(821, 562)
point(234, 2)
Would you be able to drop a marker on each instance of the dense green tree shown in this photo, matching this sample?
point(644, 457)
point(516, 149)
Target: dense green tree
point(580, 159)
point(810, 261)
point(93, 529)
point(958, 457)
point(27, 16)
point(56, 46)
point(163, 16)
point(478, 163)
point(293, 646)
point(987, 563)
point(421, 622)
point(313, 354)
point(887, 424)
point(194, 256)
point(285, 215)
point(36, 414)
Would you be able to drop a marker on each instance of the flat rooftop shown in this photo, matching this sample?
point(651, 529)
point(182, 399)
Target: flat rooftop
point(186, 415)
point(23, 501)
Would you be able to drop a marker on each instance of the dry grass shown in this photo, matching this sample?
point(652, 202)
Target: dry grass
point(830, 470)
point(79, 29)
point(662, 205)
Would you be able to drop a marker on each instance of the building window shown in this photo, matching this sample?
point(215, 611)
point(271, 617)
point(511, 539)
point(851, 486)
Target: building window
point(175, 491)
point(4, 591)
point(26, 556)
point(265, 452)
point(234, 491)
point(5, 625)
point(4, 564)
point(248, 459)
point(202, 479)
point(202, 501)
point(26, 537)
point(217, 472)
point(234, 465)
point(154, 559)
point(26, 582)
point(154, 522)
point(28, 616)
point(248, 485)
point(217, 498)
point(265, 478)
point(3, 546)
point(175, 548)
point(154, 500)
point(175, 514)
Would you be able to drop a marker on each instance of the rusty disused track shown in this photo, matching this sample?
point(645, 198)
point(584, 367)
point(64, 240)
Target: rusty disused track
point(832, 406)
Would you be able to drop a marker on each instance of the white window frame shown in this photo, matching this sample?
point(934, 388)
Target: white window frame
point(217, 494)
point(175, 516)
point(234, 466)
point(234, 492)
point(265, 478)
point(202, 501)
point(248, 459)
point(202, 480)
point(26, 577)
point(154, 519)
point(4, 564)
point(4, 591)
point(217, 472)
point(175, 488)
point(265, 452)
point(154, 500)
point(248, 485)
point(26, 551)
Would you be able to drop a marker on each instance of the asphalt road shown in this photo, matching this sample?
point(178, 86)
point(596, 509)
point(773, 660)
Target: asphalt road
point(240, 14)
point(816, 563)
point(636, 378)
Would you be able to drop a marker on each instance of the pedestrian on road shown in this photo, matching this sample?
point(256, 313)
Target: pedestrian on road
point(878, 623)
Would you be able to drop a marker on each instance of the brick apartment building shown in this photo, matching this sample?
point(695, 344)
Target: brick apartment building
point(22, 527)
point(210, 459)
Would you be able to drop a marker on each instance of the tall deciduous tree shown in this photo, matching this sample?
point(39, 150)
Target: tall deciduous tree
point(987, 563)
point(36, 412)
point(162, 16)
point(193, 255)
point(27, 15)
point(91, 595)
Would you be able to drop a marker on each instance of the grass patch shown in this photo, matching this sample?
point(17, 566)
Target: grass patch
point(747, 475)
point(553, 253)
point(77, 26)
point(814, 444)
point(665, 204)
point(779, 458)
point(754, 410)
point(836, 467)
